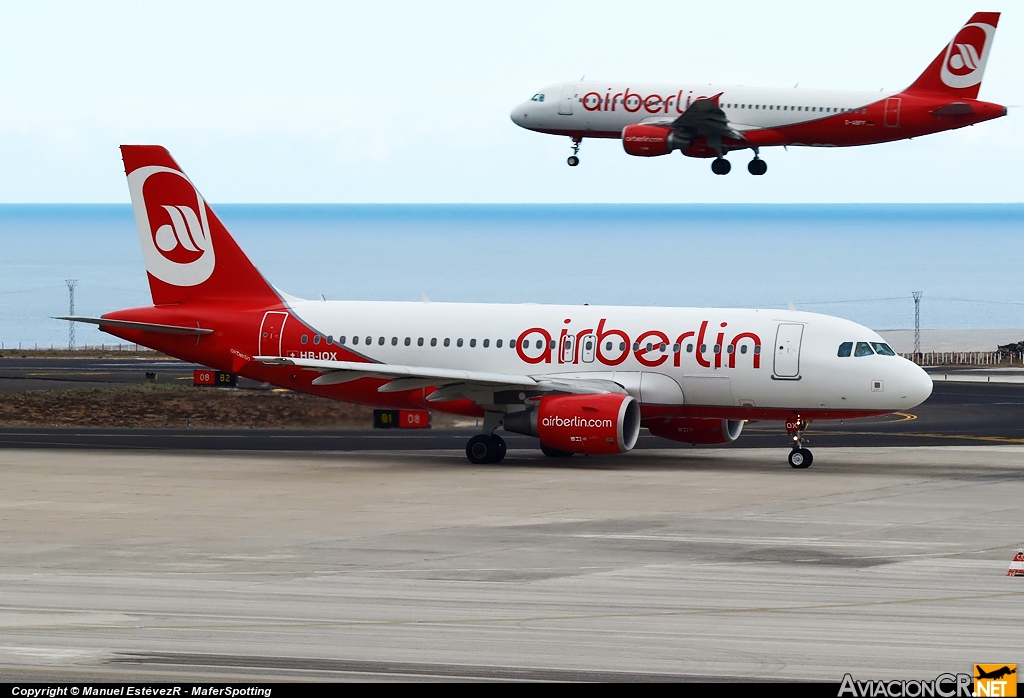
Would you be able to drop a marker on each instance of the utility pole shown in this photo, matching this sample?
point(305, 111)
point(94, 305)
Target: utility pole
point(917, 323)
point(71, 311)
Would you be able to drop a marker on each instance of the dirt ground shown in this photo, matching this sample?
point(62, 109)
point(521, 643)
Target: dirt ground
point(176, 406)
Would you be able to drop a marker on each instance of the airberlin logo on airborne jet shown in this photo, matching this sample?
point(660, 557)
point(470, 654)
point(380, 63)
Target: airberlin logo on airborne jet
point(173, 226)
point(966, 55)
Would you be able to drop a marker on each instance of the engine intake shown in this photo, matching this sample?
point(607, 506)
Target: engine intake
point(700, 432)
point(591, 424)
point(647, 141)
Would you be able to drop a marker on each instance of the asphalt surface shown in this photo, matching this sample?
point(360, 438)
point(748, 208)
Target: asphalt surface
point(887, 563)
point(957, 413)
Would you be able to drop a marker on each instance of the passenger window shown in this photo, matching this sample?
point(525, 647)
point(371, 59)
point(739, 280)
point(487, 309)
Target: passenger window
point(304, 338)
point(459, 343)
point(487, 343)
point(341, 340)
point(498, 344)
point(394, 341)
point(743, 348)
point(757, 348)
point(380, 341)
point(883, 349)
point(472, 342)
point(408, 341)
point(863, 349)
point(369, 341)
point(845, 349)
point(419, 342)
point(689, 348)
point(355, 340)
point(316, 339)
point(330, 339)
point(433, 342)
point(447, 342)
point(511, 344)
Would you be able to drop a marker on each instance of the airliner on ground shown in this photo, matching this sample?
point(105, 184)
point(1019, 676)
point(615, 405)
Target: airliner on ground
point(581, 378)
point(710, 121)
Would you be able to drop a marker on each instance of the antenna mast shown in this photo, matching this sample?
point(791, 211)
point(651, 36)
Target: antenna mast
point(71, 311)
point(917, 323)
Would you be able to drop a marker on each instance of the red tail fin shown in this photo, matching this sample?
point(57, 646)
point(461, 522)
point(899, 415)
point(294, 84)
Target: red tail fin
point(957, 70)
point(189, 254)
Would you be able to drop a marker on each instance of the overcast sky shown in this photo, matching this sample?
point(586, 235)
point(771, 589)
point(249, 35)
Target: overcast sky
point(409, 102)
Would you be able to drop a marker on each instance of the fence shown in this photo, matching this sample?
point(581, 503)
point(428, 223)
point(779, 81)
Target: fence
point(965, 358)
point(81, 347)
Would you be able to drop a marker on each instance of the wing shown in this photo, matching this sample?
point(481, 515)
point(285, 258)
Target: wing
point(705, 118)
point(452, 384)
point(702, 118)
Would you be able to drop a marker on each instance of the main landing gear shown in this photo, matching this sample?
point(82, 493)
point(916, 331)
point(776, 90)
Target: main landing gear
point(799, 457)
point(720, 166)
point(486, 448)
point(573, 160)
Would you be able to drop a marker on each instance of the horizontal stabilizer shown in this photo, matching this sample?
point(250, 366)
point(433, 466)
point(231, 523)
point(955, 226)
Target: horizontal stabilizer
point(145, 326)
point(954, 109)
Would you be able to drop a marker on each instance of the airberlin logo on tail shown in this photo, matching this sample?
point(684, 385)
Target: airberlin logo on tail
point(966, 55)
point(173, 226)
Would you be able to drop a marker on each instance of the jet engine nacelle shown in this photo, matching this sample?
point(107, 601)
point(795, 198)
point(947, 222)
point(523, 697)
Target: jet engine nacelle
point(702, 432)
point(591, 424)
point(647, 141)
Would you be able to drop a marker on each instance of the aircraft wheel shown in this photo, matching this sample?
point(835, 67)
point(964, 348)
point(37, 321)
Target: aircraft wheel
point(720, 166)
point(573, 161)
point(554, 452)
point(800, 458)
point(757, 166)
point(500, 448)
point(481, 449)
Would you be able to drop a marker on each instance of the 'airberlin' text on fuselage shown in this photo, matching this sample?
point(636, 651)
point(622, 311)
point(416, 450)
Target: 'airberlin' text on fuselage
point(633, 102)
point(612, 347)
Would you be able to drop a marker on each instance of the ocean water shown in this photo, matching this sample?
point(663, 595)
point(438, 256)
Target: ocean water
point(856, 261)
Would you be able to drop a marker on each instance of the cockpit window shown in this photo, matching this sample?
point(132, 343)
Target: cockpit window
point(863, 349)
point(883, 349)
point(845, 348)
point(537, 98)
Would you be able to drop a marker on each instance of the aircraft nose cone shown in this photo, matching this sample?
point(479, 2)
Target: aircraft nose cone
point(520, 115)
point(917, 386)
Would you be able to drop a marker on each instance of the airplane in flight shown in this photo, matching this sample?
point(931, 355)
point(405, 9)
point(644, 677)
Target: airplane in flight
point(583, 379)
point(710, 121)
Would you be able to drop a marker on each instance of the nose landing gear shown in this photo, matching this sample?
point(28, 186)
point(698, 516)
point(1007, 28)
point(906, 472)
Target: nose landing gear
point(799, 457)
point(720, 166)
point(573, 160)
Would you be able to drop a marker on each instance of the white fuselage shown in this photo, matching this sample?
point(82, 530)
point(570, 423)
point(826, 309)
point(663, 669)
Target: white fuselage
point(604, 108)
point(694, 356)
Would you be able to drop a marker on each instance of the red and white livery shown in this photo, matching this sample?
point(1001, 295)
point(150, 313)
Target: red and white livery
point(583, 379)
point(710, 121)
